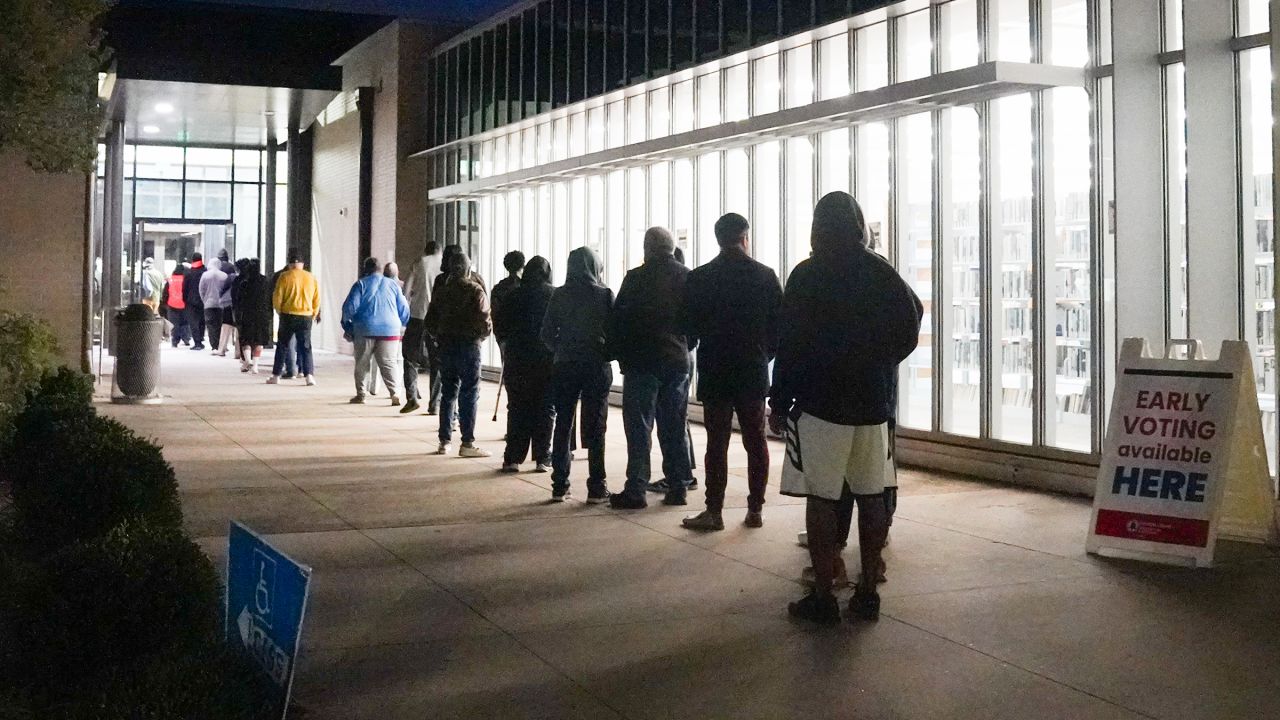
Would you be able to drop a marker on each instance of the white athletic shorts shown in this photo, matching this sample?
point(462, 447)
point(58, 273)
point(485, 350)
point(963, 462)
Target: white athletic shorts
point(823, 458)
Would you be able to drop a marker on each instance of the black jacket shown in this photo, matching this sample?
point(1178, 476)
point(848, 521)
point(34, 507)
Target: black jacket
point(459, 309)
point(646, 329)
point(731, 308)
point(576, 327)
point(847, 321)
point(251, 306)
point(518, 321)
point(499, 295)
point(191, 286)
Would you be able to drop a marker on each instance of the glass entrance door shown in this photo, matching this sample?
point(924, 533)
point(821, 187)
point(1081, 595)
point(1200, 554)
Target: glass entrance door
point(171, 242)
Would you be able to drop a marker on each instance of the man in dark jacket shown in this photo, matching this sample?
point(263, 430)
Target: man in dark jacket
point(653, 351)
point(514, 264)
point(527, 367)
point(848, 320)
point(731, 307)
point(195, 306)
point(575, 329)
point(458, 317)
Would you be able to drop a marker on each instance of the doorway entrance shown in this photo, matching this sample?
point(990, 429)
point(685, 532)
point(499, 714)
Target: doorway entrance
point(170, 242)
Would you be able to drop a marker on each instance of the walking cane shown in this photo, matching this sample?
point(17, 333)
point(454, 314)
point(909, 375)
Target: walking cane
point(502, 378)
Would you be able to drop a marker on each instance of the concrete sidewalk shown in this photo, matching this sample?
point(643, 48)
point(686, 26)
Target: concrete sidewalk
point(445, 590)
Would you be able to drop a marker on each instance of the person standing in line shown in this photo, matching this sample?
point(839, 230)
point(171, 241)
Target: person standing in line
point(653, 350)
point(514, 264)
point(373, 316)
point(152, 284)
point(391, 271)
point(175, 307)
point(251, 311)
point(847, 321)
point(576, 330)
point(297, 299)
point(662, 486)
point(291, 350)
point(459, 319)
point(731, 307)
point(417, 290)
point(211, 282)
point(527, 368)
point(191, 297)
point(229, 339)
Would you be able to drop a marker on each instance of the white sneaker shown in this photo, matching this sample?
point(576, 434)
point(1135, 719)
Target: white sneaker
point(254, 369)
point(273, 380)
point(541, 468)
point(471, 451)
point(311, 380)
point(443, 449)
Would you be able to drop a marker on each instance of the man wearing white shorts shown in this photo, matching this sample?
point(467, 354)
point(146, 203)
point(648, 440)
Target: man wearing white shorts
point(848, 320)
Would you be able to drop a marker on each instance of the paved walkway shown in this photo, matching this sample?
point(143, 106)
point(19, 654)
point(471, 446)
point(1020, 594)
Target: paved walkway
point(445, 590)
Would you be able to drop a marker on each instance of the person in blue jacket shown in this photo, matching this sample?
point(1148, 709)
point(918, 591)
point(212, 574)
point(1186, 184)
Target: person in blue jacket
point(373, 318)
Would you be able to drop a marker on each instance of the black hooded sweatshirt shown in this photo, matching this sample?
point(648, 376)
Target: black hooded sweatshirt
point(848, 320)
point(646, 328)
point(576, 325)
point(518, 320)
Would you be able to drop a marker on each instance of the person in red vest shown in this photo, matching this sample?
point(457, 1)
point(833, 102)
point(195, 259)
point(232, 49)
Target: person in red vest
point(175, 307)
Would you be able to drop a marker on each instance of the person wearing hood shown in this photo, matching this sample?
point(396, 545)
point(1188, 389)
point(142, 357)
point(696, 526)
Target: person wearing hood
point(416, 345)
point(251, 312)
point(373, 316)
point(458, 317)
point(653, 351)
point(527, 367)
point(175, 307)
point(848, 319)
point(576, 330)
point(230, 337)
point(211, 285)
point(152, 284)
point(191, 298)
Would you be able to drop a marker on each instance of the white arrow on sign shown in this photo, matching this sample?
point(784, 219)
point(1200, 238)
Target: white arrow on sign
point(245, 623)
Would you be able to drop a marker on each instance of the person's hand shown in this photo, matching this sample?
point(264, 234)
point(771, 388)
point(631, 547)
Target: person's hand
point(777, 422)
point(317, 318)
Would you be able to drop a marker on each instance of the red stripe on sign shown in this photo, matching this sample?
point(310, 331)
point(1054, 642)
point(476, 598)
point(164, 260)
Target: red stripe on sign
point(1153, 528)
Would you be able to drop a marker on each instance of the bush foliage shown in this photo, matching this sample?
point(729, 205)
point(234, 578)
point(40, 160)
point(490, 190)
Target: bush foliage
point(28, 351)
point(107, 608)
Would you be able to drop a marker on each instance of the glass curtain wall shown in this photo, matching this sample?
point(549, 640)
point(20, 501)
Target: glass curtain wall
point(992, 229)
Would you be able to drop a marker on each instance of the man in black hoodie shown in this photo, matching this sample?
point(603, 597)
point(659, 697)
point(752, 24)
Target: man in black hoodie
point(527, 367)
point(575, 329)
point(653, 350)
point(458, 317)
point(848, 320)
point(195, 306)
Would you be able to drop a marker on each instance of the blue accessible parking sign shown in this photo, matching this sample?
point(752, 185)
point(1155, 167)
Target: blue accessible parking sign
point(266, 602)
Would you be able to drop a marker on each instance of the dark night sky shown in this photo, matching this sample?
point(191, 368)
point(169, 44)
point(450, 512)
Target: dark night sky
point(457, 10)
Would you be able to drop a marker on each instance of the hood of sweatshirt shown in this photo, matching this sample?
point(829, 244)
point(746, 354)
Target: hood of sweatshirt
point(584, 267)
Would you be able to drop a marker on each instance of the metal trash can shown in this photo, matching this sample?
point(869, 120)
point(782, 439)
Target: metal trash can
point(136, 380)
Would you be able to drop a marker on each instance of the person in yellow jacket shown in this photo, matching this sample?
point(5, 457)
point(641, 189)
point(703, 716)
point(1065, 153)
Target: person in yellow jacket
point(297, 299)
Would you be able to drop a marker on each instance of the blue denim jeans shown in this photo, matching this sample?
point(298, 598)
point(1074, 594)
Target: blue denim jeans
point(460, 384)
point(294, 329)
point(589, 383)
point(663, 398)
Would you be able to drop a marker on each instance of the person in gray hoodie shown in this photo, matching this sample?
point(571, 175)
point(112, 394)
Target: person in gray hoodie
point(212, 284)
point(575, 329)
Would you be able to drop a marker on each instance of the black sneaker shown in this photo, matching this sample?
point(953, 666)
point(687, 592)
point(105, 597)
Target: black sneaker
point(864, 605)
point(625, 501)
point(288, 376)
point(676, 497)
point(597, 497)
point(662, 486)
point(822, 609)
point(560, 495)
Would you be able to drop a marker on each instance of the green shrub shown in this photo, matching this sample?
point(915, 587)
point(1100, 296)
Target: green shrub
point(124, 626)
point(76, 475)
point(28, 350)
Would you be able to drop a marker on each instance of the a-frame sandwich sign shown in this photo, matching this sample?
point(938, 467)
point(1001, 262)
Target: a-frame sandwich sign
point(1184, 461)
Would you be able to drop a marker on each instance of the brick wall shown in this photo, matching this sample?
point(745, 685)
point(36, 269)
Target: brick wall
point(42, 245)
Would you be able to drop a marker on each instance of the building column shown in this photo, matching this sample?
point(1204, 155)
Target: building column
point(301, 161)
point(364, 221)
point(268, 251)
point(1213, 180)
point(112, 230)
point(1141, 255)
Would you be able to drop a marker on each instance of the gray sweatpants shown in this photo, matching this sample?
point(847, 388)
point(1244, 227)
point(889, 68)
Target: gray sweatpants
point(385, 354)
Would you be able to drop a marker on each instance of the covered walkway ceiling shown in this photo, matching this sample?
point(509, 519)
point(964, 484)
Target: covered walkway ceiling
point(950, 89)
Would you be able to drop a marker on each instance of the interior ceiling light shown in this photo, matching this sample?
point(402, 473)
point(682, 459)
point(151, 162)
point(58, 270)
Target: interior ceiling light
point(150, 129)
point(164, 108)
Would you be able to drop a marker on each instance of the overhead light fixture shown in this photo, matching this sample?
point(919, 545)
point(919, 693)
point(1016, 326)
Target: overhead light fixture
point(164, 108)
point(150, 129)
